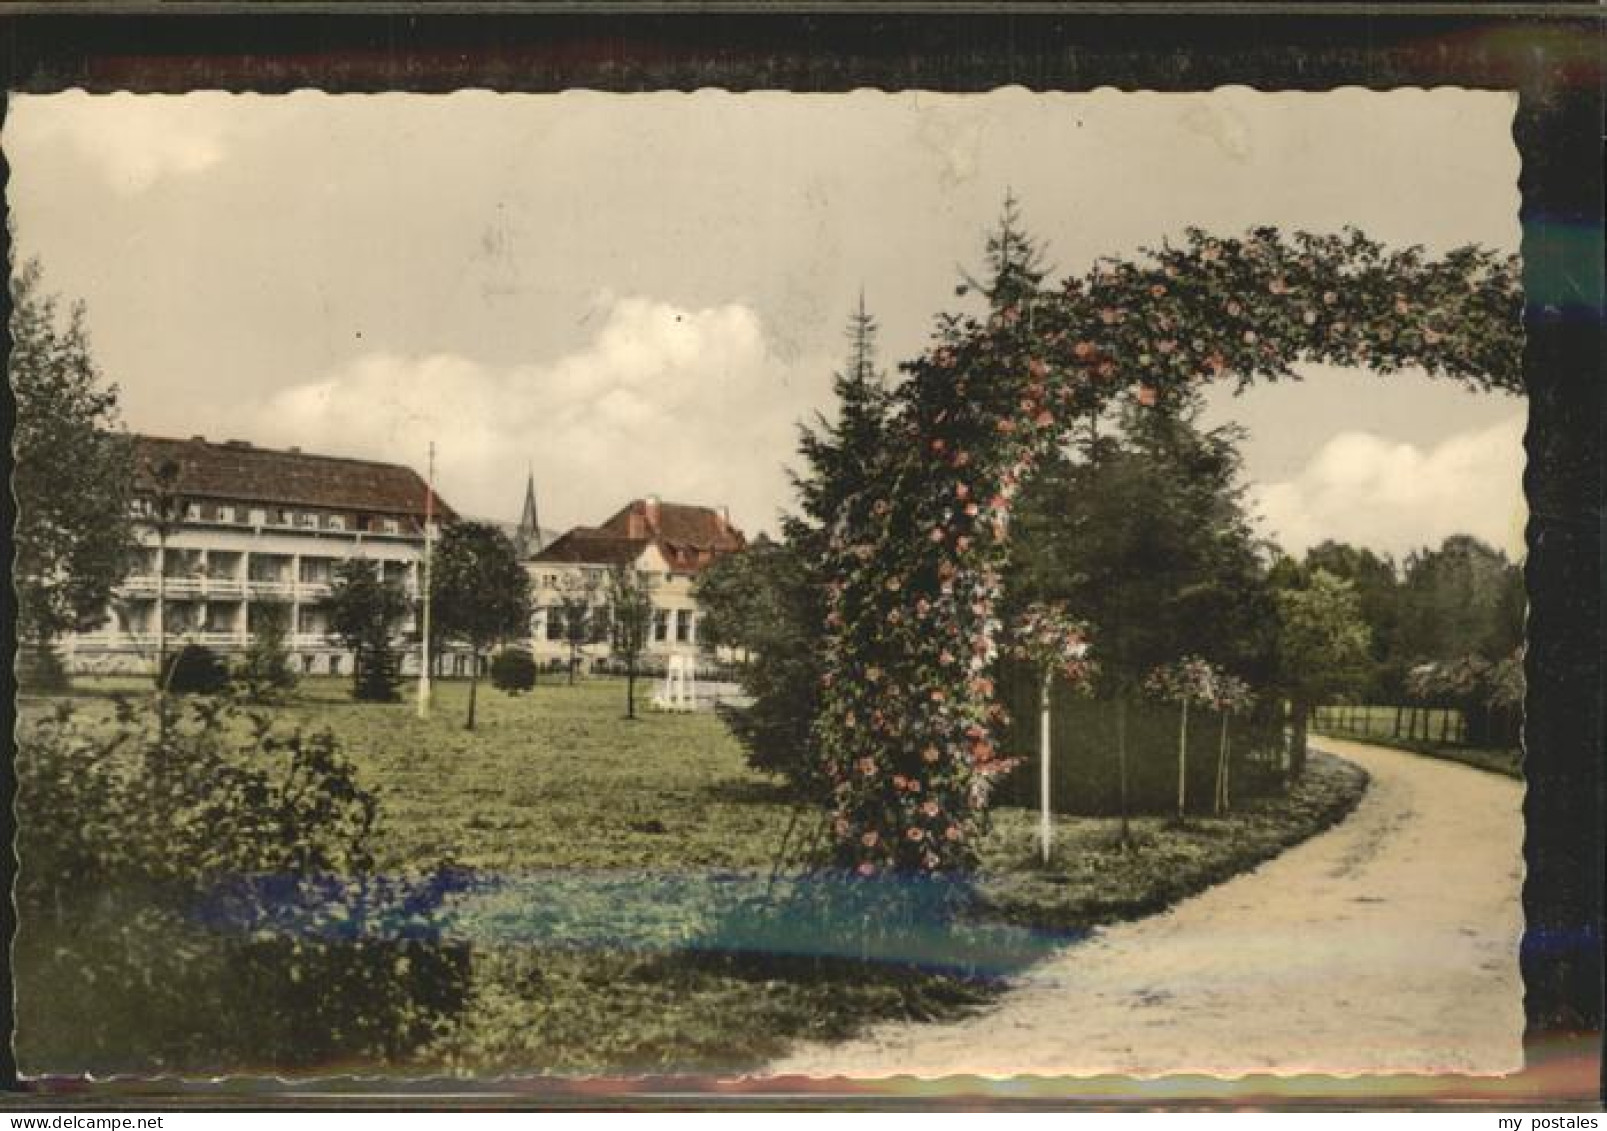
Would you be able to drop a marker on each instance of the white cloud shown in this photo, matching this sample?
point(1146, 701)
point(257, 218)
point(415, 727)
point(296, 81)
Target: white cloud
point(1393, 496)
point(133, 140)
point(689, 405)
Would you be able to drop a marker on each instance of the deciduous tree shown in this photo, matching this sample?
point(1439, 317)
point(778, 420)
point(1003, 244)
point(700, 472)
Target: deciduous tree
point(1323, 646)
point(74, 472)
point(480, 593)
point(582, 617)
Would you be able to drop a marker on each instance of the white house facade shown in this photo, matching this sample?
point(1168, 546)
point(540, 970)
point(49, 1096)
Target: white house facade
point(667, 544)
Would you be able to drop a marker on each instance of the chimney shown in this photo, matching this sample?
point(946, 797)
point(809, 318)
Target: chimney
point(199, 439)
point(650, 507)
point(725, 517)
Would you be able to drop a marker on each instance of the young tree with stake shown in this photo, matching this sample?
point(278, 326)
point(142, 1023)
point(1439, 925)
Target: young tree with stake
point(1049, 639)
point(631, 625)
point(1189, 681)
point(1230, 695)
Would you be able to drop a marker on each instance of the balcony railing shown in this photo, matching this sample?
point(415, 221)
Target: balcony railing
point(232, 588)
point(264, 588)
point(147, 641)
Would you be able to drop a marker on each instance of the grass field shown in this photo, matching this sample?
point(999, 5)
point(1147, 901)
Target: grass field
point(623, 909)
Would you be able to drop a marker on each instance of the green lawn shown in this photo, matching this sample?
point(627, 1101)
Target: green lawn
point(626, 921)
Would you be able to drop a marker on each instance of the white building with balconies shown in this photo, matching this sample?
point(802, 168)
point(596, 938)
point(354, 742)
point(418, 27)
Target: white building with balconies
point(250, 529)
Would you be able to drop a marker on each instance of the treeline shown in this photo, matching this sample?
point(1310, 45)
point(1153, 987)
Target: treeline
point(1446, 628)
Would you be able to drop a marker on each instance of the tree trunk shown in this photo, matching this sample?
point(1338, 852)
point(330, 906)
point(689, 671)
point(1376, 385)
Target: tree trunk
point(573, 659)
point(1045, 827)
point(1183, 764)
point(1222, 769)
point(630, 690)
point(474, 686)
point(1297, 742)
point(1121, 768)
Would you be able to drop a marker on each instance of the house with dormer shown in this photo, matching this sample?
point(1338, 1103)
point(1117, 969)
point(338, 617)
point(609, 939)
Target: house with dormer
point(667, 544)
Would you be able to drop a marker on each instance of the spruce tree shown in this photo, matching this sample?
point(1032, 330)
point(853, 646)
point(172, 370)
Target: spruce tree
point(771, 600)
point(1015, 261)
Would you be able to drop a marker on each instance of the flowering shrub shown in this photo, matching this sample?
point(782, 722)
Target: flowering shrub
point(1230, 695)
point(908, 714)
point(1190, 680)
point(1049, 639)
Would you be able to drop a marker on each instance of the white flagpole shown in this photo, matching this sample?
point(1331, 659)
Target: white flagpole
point(429, 526)
point(1045, 829)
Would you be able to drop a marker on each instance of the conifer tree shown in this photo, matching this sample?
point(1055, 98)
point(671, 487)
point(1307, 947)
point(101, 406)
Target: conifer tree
point(770, 600)
point(1015, 261)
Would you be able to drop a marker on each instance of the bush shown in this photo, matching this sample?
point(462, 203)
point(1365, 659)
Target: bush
point(513, 670)
point(40, 670)
point(210, 901)
point(194, 670)
point(378, 675)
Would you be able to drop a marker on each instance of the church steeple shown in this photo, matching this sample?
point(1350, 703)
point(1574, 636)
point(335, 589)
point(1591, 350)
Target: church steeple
point(529, 539)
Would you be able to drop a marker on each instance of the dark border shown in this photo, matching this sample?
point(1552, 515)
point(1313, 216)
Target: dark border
point(1551, 54)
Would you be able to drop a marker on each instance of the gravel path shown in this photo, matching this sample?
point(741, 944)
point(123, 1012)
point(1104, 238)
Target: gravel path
point(1387, 944)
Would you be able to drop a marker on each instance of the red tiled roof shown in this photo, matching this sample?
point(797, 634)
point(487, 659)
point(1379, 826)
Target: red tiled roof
point(688, 537)
point(242, 472)
point(586, 545)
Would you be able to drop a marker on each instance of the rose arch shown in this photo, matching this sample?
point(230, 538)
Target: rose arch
point(908, 710)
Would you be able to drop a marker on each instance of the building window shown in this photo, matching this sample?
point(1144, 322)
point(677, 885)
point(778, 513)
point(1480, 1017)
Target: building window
point(661, 625)
point(392, 526)
point(337, 522)
point(192, 512)
point(316, 571)
point(683, 625)
point(225, 514)
point(310, 520)
point(259, 516)
point(555, 624)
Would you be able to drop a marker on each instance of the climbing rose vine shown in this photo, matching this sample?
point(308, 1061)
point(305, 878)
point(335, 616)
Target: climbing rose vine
point(908, 707)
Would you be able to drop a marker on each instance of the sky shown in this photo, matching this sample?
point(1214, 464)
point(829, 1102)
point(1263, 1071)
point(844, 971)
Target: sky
point(644, 294)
